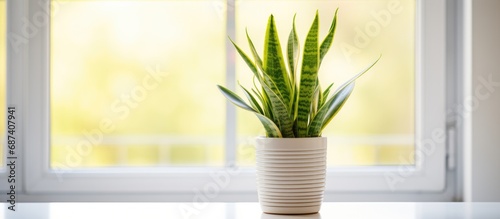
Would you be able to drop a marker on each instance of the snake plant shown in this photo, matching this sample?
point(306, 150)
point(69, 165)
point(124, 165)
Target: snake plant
point(289, 106)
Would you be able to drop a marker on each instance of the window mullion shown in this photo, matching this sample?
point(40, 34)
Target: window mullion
point(230, 133)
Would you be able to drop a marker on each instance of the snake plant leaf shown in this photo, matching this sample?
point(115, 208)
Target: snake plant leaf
point(315, 101)
point(267, 107)
point(247, 60)
point(258, 94)
point(264, 108)
point(272, 131)
point(293, 53)
point(287, 100)
point(320, 98)
point(327, 42)
point(293, 48)
point(357, 75)
point(235, 99)
point(282, 117)
point(258, 60)
point(337, 104)
point(328, 111)
point(308, 78)
point(260, 98)
point(326, 93)
point(274, 64)
point(251, 99)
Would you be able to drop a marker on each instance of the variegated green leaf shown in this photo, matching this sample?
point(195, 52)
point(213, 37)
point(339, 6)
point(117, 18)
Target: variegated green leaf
point(268, 108)
point(235, 99)
point(265, 110)
point(274, 64)
point(251, 99)
point(289, 105)
point(258, 60)
point(315, 101)
point(266, 105)
point(272, 131)
point(266, 79)
point(328, 110)
point(279, 108)
point(323, 117)
point(326, 93)
point(337, 104)
point(327, 42)
point(247, 60)
point(293, 53)
point(356, 76)
point(308, 78)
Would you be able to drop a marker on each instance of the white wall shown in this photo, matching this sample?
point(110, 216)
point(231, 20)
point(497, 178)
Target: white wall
point(483, 178)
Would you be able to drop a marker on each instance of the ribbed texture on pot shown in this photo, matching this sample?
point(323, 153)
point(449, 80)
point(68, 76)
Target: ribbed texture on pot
point(291, 174)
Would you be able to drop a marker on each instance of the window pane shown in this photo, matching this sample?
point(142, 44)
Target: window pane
point(376, 125)
point(3, 77)
point(133, 83)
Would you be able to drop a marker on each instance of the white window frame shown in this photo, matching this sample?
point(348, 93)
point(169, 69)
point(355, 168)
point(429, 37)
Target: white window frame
point(4, 172)
point(28, 89)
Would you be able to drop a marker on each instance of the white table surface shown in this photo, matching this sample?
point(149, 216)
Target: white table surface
point(351, 210)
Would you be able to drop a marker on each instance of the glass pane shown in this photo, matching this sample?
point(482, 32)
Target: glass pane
point(3, 77)
point(133, 83)
point(376, 125)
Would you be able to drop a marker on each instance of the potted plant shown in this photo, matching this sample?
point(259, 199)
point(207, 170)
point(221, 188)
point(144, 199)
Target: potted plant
point(294, 109)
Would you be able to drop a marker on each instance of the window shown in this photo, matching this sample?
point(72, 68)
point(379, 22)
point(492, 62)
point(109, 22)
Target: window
point(3, 78)
point(134, 84)
point(117, 66)
point(129, 93)
point(376, 126)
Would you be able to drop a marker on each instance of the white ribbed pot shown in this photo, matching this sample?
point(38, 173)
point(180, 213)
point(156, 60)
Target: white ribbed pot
point(291, 174)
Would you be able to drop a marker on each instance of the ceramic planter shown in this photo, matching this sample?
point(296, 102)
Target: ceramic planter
point(291, 174)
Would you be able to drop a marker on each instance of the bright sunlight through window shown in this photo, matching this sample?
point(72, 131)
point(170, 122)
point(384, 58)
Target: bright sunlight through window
point(376, 125)
point(133, 83)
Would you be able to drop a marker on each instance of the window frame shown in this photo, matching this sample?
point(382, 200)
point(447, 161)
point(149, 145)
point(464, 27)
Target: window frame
point(14, 58)
point(428, 175)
